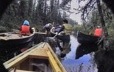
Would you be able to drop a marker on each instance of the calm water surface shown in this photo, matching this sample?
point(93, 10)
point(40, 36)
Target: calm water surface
point(83, 64)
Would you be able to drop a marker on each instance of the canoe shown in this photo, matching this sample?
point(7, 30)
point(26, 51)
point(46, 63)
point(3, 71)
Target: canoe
point(12, 44)
point(86, 39)
point(39, 58)
point(84, 49)
point(13, 40)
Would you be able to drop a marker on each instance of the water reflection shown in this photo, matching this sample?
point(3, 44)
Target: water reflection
point(74, 45)
point(83, 64)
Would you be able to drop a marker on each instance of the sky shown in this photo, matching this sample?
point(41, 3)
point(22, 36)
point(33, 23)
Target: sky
point(76, 17)
point(73, 15)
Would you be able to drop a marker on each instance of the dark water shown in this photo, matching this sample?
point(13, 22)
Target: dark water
point(83, 64)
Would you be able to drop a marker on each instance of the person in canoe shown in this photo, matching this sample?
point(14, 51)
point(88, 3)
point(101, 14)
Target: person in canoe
point(63, 32)
point(99, 33)
point(25, 28)
point(47, 27)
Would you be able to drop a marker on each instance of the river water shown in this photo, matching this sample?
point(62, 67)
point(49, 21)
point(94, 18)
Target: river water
point(83, 64)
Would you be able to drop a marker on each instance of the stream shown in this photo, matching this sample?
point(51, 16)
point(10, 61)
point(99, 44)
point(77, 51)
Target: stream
point(83, 64)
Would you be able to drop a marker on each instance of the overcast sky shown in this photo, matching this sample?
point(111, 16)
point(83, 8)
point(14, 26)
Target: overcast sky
point(75, 4)
point(73, 15)
point(76, 17)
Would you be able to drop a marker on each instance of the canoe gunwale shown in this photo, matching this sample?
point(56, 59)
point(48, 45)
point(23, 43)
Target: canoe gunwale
point(50, 55)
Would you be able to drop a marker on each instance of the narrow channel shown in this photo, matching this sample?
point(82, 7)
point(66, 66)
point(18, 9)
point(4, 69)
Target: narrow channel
point(83, 64)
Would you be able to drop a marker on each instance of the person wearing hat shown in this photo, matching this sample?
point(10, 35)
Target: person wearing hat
point(64, 35)
point(25, 28)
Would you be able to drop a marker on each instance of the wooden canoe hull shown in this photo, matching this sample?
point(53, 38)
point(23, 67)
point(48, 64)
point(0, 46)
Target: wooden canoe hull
point(9, 47)
point(32, 59)
point(16, 43)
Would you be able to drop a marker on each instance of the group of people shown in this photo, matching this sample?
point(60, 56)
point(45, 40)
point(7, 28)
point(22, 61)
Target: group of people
point(61, 32)
point(64, 29)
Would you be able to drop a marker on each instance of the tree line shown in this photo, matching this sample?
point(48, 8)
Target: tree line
point(38, 12)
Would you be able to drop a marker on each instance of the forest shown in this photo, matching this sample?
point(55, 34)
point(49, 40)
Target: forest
point(41, 12)
point(38, 12)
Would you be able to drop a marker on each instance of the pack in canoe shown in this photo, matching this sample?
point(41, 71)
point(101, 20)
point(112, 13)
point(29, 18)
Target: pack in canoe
point(86, 39)
point(39, 58)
